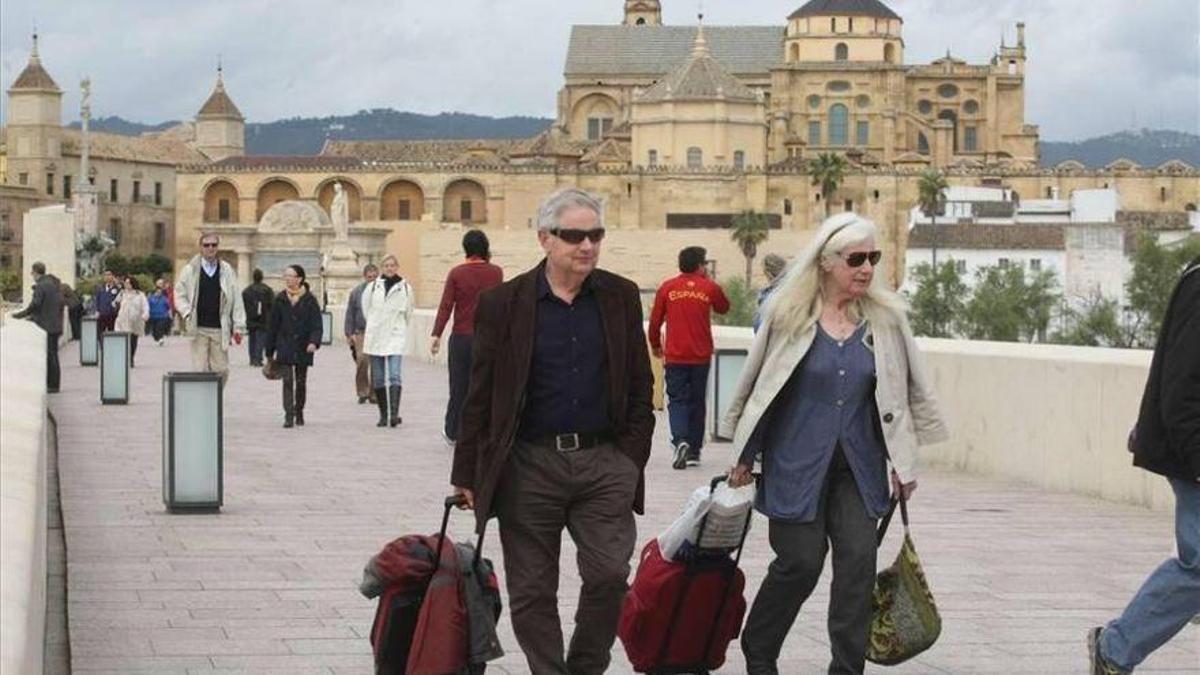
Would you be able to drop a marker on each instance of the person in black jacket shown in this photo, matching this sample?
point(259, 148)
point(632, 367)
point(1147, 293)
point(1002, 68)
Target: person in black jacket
point(1165, 441)
point(45, 310)
point(293, 336)
point(257, 297)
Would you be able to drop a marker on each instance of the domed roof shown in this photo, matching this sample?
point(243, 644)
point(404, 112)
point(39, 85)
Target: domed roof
point(219, 105)
point(845, 8)
point(34, 76)
point(701, 77)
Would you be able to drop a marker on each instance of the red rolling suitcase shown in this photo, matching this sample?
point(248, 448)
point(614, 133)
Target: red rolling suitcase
point(680, 616)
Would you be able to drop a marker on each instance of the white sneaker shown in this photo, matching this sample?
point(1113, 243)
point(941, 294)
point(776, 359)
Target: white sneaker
point(679, 459)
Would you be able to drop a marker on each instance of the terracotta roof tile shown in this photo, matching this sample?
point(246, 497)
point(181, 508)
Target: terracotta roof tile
point(652, 51)
point(1017, 237)
point(131, 148)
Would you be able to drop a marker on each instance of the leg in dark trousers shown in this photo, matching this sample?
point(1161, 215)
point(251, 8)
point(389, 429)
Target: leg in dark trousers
point(289, 394)
point(589, 492)
point(133, 340)
point(842, 519)
point(679, 401)
point(53, 372)
point(698, 384)
point(460, 377)
point(255, 345)
point(301, 393)
point(75, 314)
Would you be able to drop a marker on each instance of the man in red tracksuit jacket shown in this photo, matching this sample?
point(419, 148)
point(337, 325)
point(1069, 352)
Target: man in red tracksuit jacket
point(686, 303)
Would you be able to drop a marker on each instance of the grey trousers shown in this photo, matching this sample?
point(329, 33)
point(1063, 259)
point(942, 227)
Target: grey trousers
point(590, 494)
point(843, 521)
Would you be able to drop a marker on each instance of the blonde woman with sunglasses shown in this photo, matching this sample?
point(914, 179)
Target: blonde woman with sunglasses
point(832, 401)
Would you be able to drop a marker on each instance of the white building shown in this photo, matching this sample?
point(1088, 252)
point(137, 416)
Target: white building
point(1085, 239)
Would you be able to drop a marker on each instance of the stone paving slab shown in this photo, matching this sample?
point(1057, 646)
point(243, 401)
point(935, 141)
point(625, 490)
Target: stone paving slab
point(270, 584)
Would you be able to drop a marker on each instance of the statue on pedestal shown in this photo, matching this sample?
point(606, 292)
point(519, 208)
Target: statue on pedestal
point(339, 213)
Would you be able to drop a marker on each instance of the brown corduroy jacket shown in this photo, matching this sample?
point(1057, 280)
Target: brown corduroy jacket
point(501, 356)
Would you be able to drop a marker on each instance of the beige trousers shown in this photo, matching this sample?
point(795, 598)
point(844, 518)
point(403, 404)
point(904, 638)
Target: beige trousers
point(208, 354)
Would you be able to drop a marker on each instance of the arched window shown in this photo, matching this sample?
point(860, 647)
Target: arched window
point(795, 53)
point(839, 125)
point(922, 144)
point(739, 160)
point(695, 158)
point(841, 52)
point(889, 53)
point(787, 207)
point(641, 21)
point(652, 158)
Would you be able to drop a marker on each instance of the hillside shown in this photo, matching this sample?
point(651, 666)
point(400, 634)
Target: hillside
point(305, 136)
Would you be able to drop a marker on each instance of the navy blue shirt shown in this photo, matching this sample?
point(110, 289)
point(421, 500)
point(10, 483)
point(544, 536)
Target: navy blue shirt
point(568, 379)
point(827, 403)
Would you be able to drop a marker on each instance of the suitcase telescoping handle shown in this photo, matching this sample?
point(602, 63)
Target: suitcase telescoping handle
point(454, 501)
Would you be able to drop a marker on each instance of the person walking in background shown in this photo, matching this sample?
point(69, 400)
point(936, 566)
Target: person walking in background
point(556, 431)
point(169, 291)
point(207, 297)
point(1165, 441)
point(387, 303)
point(257, 299)
point(686, 303)
point(292, 334)
point(460, 295)
point(106, 308)
point(45, 309)
point(74, 305)
point(354, 326)
point(160, 314)
point(832, 390)
point(132, 313)
point(773, 265)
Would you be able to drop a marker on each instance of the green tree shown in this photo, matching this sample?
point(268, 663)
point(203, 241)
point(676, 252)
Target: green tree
point(939, 300)
point(1007, 306)
point(1156, 270)
point(743, 301)
point(1096, 324)
point(931, 198)
point(828, 172)
point(750, 229)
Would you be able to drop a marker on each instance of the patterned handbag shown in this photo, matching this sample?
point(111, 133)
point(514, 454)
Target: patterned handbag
point(271, 369)
point(905, 619)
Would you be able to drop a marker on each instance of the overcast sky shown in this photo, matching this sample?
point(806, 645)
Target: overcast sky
point(1095, 66)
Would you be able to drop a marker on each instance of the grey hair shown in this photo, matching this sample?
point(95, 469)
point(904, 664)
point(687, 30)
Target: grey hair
point(553, 207)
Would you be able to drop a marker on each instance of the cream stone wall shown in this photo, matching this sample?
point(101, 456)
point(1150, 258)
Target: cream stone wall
point(719, 129)
point(46, 230)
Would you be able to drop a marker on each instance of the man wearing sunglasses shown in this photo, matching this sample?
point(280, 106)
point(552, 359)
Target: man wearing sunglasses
point(556, 430)
point(208, 299)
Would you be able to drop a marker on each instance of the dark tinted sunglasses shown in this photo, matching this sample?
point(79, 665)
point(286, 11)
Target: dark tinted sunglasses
point(858, 258)
point(577, 236)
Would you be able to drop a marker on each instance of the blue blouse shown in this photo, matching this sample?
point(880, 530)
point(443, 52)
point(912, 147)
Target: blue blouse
point(828, 402)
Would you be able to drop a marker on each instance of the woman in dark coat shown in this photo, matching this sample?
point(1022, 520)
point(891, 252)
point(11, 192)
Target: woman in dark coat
point(293, 335)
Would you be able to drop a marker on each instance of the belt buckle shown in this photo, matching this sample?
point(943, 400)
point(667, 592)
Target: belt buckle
point(561, 446)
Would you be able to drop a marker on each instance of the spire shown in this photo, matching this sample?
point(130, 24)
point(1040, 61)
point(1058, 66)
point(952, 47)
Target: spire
point(700, 47)
point(34, 76)
point(219, 104)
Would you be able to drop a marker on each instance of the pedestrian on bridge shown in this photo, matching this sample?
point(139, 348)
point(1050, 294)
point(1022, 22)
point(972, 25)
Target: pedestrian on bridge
point(1165, 441)
point(132, 313)
point(387, 303)
point(355, 327)
point(832, 392)
point(293, 334)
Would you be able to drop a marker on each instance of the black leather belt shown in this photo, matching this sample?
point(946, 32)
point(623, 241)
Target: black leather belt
point(574, 442)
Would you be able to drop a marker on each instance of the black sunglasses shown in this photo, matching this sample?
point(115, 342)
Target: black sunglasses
point(209, 245)
point(577, 236)
point(858, 258)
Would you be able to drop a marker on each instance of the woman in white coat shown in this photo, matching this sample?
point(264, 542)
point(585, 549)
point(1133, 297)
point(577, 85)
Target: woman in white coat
point(832, 394)
point(387, 304)
point(132, 313)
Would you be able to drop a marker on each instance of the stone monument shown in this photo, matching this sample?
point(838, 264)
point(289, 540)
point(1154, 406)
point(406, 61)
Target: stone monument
point(91, 245)
point(340, 272)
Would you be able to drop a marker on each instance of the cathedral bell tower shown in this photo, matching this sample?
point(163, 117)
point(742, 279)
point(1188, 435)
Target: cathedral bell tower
point(643, 13)
point(220, 127)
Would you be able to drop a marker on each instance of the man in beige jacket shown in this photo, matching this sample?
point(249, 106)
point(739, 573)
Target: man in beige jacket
point(208, 299)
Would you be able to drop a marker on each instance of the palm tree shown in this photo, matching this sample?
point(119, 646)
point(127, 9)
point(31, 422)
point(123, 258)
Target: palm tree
point(828, 171)
point(931, 198)
point(749, 230)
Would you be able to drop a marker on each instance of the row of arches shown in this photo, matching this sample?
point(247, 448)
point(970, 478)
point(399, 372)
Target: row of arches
point(463, 200)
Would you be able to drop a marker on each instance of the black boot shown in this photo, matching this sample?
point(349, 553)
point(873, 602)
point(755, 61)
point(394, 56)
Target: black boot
point(394, 404)
point(381, 402)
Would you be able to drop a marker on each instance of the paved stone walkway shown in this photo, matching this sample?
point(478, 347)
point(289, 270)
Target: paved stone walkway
point(269, 584)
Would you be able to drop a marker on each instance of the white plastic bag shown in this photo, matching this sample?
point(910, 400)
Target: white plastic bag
point(726, 509)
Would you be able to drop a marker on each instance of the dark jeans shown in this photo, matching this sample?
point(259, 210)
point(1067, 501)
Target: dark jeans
point(133, 340)
point(104, 324)
point(843, 521)
point(459, 357)
point(256, 342)
point(687, 387)
point(75, 316)
point(53, 372)
point(295, 388)
point(590, 493)
point(160, 328)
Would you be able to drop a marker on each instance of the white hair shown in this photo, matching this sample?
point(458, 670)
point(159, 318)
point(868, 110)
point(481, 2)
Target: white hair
point(553, 207)
point(796, 305)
